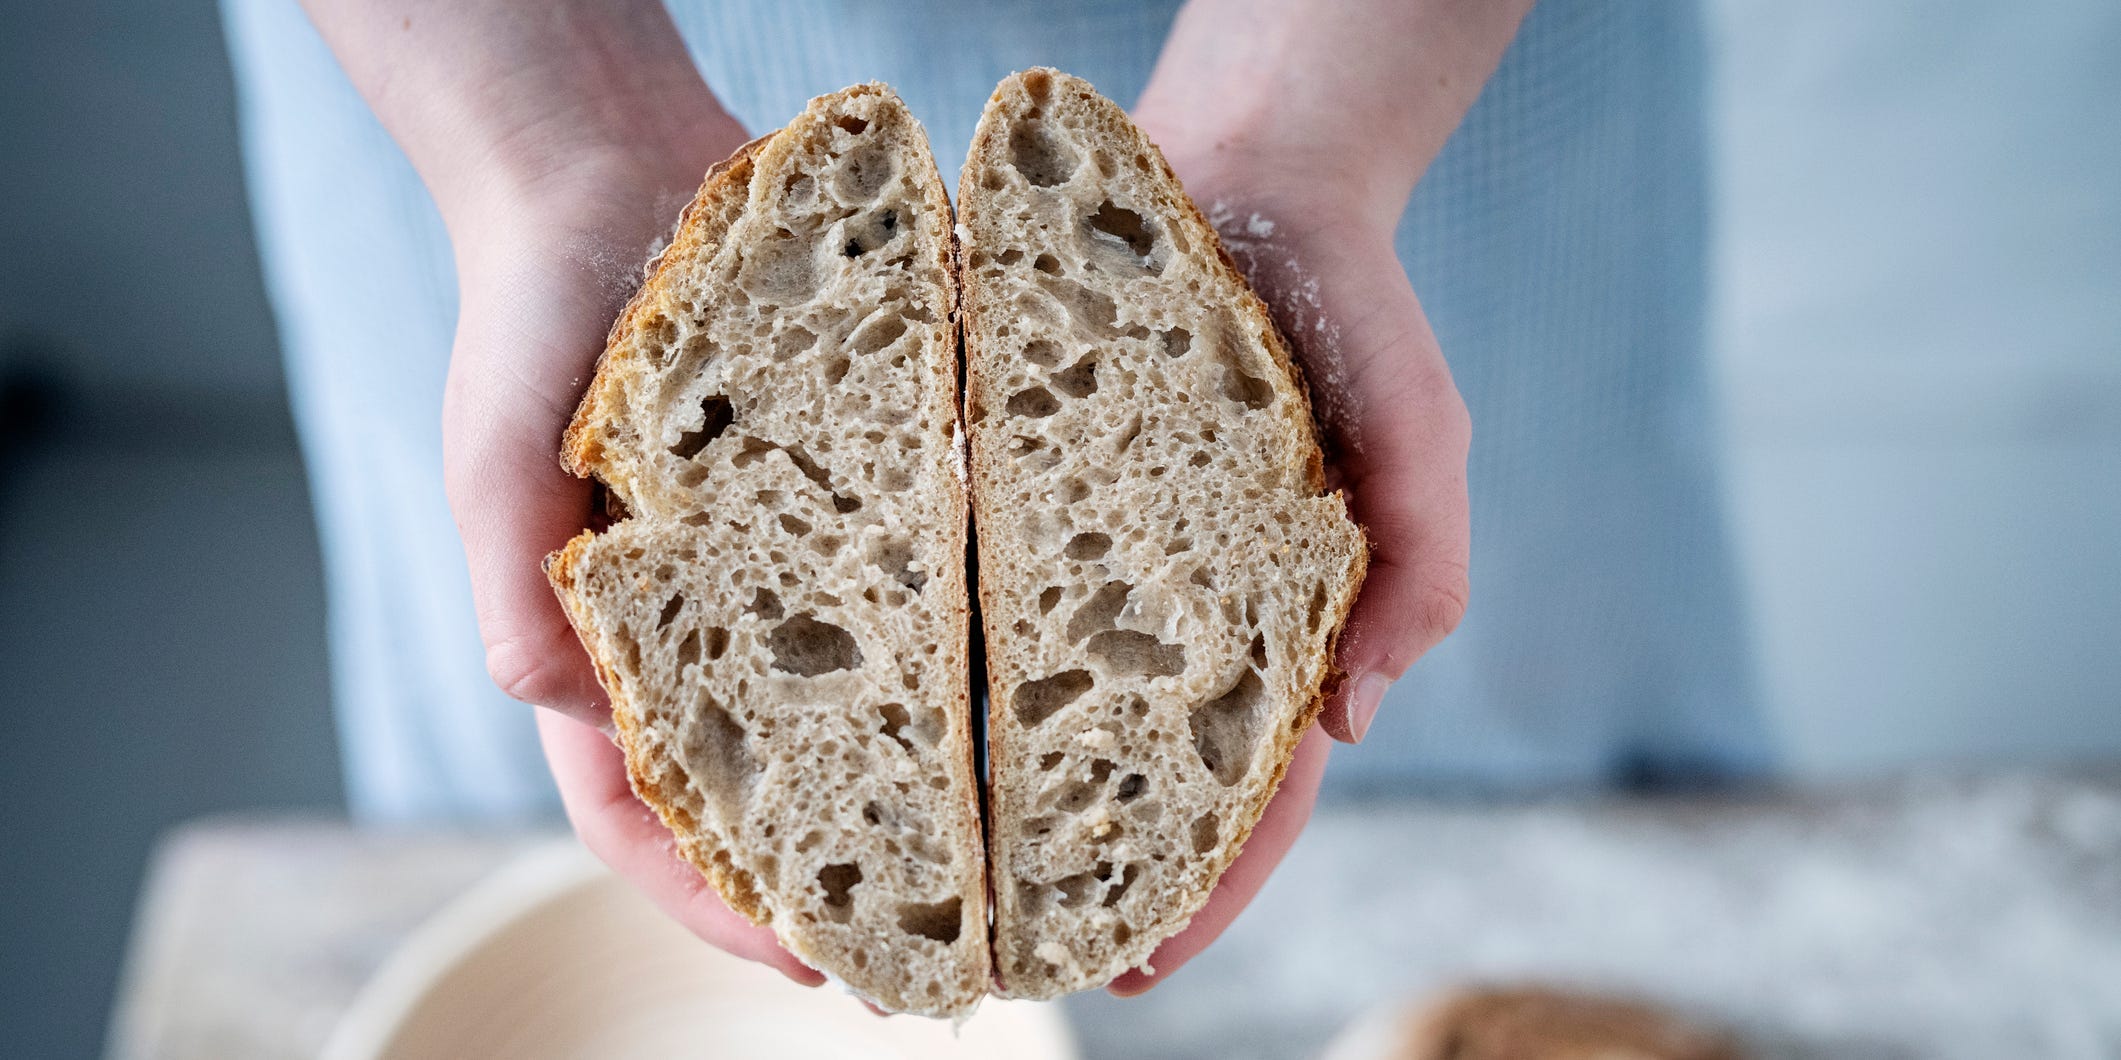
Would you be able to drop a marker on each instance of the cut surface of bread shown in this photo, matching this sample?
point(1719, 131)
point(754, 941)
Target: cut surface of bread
point(780, 616)
point(1162, 573)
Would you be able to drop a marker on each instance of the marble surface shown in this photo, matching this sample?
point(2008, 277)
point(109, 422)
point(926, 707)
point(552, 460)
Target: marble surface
point(1932, 917)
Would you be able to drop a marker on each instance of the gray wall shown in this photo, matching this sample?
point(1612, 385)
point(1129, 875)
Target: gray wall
point(161, 639)
point(1918, 321)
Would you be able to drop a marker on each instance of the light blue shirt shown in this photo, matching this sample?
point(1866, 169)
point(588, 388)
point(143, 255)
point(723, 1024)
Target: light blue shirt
point(1557, 243)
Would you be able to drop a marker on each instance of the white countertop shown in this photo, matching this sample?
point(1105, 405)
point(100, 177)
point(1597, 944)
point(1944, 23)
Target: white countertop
point(1927, 918)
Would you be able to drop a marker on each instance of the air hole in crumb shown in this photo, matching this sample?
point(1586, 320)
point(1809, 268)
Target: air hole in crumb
point(894, 556)
point(1128, 434)
point(670, 610)
point(1116, 222)
point(1042, 159)
point(1074, 490)
point(750, 451)
point(839, 882)
point(807, 647)
point(715, 418)
point(1079, 380)
point(940, 921)
point(794, 525)
point(895, 721)
point(717, 642)
point(1246, 389)
point(1035, 701)
point(1130, 787)
point(1226, 728)
point(1042, 352)
point(1047, 264)
point(1128, 652)
point(1047, 600)
point(689, 649)
point(1114, 892)
point(1100, 612)
point(1316, 611)
point(1205, 829)
point(792, 340)
point(1075, 890)
point(765, 603)
point(1197, 460)
point(1176, 342)
point(1035, 402)
point(1087, 546)
point(878, 333)
point(852, 124)
point(1076, 797)
point(661, 330)
point(715, 754)
point(1050, 759)
point(778, 270)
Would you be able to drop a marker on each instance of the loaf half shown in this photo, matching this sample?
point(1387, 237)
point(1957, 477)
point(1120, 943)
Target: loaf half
point(1162, 572)
point(780, 614)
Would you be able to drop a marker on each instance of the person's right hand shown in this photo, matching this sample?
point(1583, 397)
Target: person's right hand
point(558, 149)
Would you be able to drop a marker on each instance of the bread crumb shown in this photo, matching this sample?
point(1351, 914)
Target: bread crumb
point(1055, 954)
point(1096, 739)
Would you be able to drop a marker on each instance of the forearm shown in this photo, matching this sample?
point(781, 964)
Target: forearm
point(1360, 92)
point(492, 99)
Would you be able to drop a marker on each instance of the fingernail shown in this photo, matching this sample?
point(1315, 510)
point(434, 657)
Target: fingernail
point(1363, 701)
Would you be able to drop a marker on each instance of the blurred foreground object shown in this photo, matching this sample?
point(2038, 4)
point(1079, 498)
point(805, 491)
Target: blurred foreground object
point(1529, 1023)
point(554, 956)
point(1947, 918)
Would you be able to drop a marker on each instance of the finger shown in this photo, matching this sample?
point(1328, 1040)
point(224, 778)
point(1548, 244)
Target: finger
point(515, 504)
point(1403, 442)
point(626, 835)
point(1284, 819)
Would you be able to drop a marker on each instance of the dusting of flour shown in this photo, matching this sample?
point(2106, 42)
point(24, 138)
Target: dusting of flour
point(1292, 294)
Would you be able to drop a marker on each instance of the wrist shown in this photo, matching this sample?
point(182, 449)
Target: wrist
point(580, 161)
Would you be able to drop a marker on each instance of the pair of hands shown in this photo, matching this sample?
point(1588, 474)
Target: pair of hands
point(550, 224)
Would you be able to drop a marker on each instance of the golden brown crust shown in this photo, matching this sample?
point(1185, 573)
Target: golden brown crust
point(698, 229)
point(582, 456)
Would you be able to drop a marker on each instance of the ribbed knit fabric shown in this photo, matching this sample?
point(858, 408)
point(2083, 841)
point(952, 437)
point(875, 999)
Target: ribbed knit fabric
point(1557, 244)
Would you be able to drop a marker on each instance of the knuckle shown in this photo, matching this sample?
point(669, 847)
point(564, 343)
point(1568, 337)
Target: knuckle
point(520, 672)
point(1441, 605)
point(1432, 603)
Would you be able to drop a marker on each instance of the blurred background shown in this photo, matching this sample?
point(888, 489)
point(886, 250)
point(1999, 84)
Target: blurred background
point(1917, 328)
